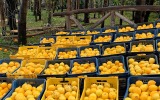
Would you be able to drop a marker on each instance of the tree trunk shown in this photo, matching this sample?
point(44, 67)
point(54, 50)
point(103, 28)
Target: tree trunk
point(121, 21)
point(49, 12)
point(22, 23)
point(104, 5)
point(2, 16)
point(11, 14)
point(138, 15)
point(86, 15)
point(146, 17)
point(39, 9)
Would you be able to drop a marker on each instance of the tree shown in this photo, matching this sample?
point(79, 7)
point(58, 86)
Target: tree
point(2, 16)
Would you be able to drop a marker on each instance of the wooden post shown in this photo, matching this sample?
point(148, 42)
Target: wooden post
point(22, 23)
point(120, 22)
point(86, 15)
point(68, 21)
point(112, 18)
point(103, 14)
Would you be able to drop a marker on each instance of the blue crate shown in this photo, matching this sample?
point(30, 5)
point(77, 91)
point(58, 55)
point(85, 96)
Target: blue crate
point(47, 37)
point(78, 32)
point(106, 28)
point(158, 21)
point(113, 45)
point(133, 79)
point(145, 42)
point(91, 46)
point(33, 82)
point(131, 34)
point(124, 26)
point(83, 61)
point(153, 31)
point(158, 40)
point(54, 32)
point(68, 62)
point(65, 50)
point(139, 58)
point(113, 59)
point(158, 31)
point(8, 80)
point(98, 29)
point(103, 35)
point(7, 61)
point(147, 23)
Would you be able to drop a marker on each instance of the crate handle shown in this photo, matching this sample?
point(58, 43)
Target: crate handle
point(64, 81)
point(67, 38)
point(101, 80)
point(83, 38)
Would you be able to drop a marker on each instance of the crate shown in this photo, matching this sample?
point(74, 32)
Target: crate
point(15, 56)
point(8, 80)
point(41, 49)
point(33, 82)
point(146, 23)
point(47, 37)
point(144, 42)
point(62, 81)
point(100, 80)
point(125, 26)
point(83, 61)
point(66, 50)
point(139, 58)
point(60, 38)
point(7, 61)
point(102, 35)
point(131, 34)
point(55, 33)
point(114, 45)
point(99, 30)
point(158, 33)
point(107, 28)
point(24, 62)
point(78, 32)
point(157, 41)
point(113, 59)
point(152, 31)
point(77, 39)
point(133, 79)
point(91, 46)
point(68, 62)
point(157, 24)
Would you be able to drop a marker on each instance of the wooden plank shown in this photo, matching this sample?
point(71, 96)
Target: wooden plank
point(112, 18)
point(77, 22)
point(117, 8)
point(101, 20)
point(124, 18)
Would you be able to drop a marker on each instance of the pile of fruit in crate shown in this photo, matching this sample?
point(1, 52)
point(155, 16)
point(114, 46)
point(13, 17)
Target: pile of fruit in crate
point(86, 65)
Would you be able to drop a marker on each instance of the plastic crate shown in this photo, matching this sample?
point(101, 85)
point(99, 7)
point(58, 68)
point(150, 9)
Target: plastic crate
point(100, 80)
point(133, 79)
point(15, 56)
point(24, 62)
point(91, 46)
point(139, 58)
point(78, 32)
point(47, 37)
point(7, 61)
point(144, 42)
point(107, 28)
point(99, 30)
point(62, 81)
point(152, 31)
point(158, 33)
point(8, 80)
point(33, 82)
point(40, 49)
point(157, 41)
point(126, 26)
point(102, 35)
point(77, 39)
point(113, 59)
point(55, 33)
point(157, 23)
point(131, 34)
point(113, 45)
point(68, 62)
point(146, 23)
point(66, 50)
point(83, 61)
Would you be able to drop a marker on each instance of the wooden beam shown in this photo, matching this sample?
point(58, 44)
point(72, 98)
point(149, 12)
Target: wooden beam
point(117, 8)
point(77, 22)
point(101, 20)
point(124, 18)
point(68, 22)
